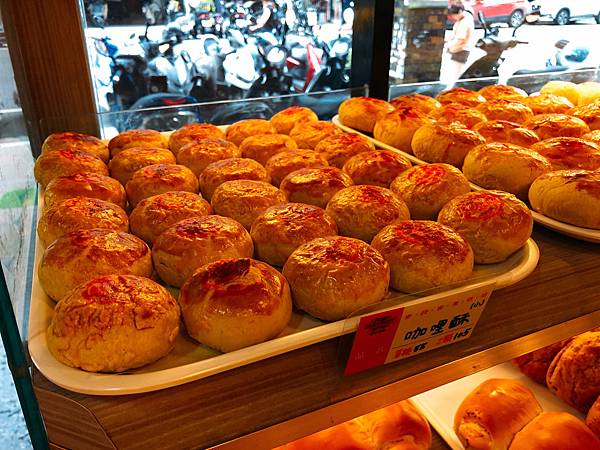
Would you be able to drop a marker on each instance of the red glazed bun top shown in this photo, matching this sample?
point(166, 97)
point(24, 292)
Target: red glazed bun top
point(338, 250)
point(569, 153)
point(460, 95)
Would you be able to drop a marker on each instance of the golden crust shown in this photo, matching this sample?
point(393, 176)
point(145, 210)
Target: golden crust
point(592, 420)
point(339, 148)
point(535, 364)
point(69, 140)
point(426, 189)
point(130, 160)
point(423, 255)
point(501, 109)
point(137, 138)
point(333, 277)
point(314, 186)
point(425, 103)
point(114, 323)
point(362, 211)
point(59, 163)
point(228, 170)
point(398, 127)
point(547, 126)
point(192, 133)
point(261, 147)
point(501, 91)
point(82, 255)
point(79, 213)
point(376, 167)
point(281, 229)
point(460, 95)
point(155, 214)
point(287, 119)
point(361, 113)
point(239, 131)
point(548, 104)
point(196, 156)
point(569, 153)
point(593, 136)
point(590, 114)
point(496, 224)
point(565, 89)
point(191, 243)
point(456, 112)
point(309, 134)
point(506, 132)
point(284, 163)
point(159, 178)
point(234, 303)
point(86, 184)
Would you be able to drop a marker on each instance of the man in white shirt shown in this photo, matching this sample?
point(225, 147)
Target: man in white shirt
point(459, 46)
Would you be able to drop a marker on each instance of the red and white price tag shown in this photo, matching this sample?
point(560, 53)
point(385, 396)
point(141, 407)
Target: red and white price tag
point(402, 332)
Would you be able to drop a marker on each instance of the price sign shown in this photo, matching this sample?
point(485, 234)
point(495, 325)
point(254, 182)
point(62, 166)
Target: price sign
point(402, 332)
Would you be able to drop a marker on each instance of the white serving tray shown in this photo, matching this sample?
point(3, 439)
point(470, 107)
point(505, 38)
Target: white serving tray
point(440, 404)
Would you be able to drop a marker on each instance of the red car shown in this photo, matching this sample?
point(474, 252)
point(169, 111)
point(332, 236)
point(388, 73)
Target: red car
point(512, 13)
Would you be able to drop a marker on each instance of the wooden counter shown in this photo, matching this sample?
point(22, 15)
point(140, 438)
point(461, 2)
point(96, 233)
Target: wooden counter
point(280, 399)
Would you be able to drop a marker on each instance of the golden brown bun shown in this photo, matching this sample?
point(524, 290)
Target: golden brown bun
point(377, 167)
point(79, 213)
point(333, 277)
point(339, 148)
point(60, 163)
point(198, 155)
point(281, 229)
point(461, 95)
point(496, 91)
point(192, 133)
point(287, 119)
point(157, 179)
point(592, 419)
point(80, 256)
point(245, 200)
point(569, 153)
point(535, 364)
point(506, 132)
point(398, 127)
point(261, 147)
point(135, 139)
point(455, 112)
point(191, 243)
point(239, 131)
point(309, 134)
point(362, 211)
point(439, 143)
point(562, 88)
point(128, 161)
point(76, 141)
point(589, 92)
point(574, 375)
point(555, 431)
point(423, 254)
point(426, 189)
point(490, 416)
point(233, 303)
point(593, 136)
point(228, 170)
point(496, 224)
point(590, 114)
point(85, 184)
point(282, 164)
point(314, 186)
point(505, 167)
point(571, 196)
point(547, 126)
point(425, 103)
point(548, 104)
point(361, 113)
point(511, 110)
point(114, 323)
point(155, 214)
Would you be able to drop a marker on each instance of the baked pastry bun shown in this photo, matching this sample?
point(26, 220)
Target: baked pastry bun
point(228, 170)
point(198, 155)
point(136, 139)
point(590, 114)
point(69, 140)
point(506, 132)
point(398, 127)
point(461, 95)
point(362, 211)
point(245, 200)
point(423, 255)
point(456, 112)
point(60, 163)
point(287, 119)
point(547, 126)
point(555, 430)
point(239, 131)
point(234, 303)
point(493, 413)
point(496, 224)
point(425, 103)
point(548, 104)
point(79, 213)
point(593, 136)
point(192, 133)
point(501, 109)
point(502, 91)
point(282, 164)
point(361, 113)
point(565, 89)
point(128, 161)
point(85, 184)
point(333, 277)
point(80, 256)
point(440, 143)
point(314, 186)
point(592, 420)
point(155, 214)
point(309, 134)
point(191, 243)
point(505, 167)
point(376, 167)
point(426, 189)
point(569, 153)
point(157, 179)
point(339, 148)
point(261, 147)
point(130, 321)
point(281, 229)
point(535, 364)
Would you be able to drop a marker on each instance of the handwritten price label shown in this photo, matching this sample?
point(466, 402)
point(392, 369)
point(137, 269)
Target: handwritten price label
point(402, 332)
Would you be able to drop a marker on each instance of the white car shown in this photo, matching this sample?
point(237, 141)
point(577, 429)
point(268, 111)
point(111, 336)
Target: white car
point(563, 11)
